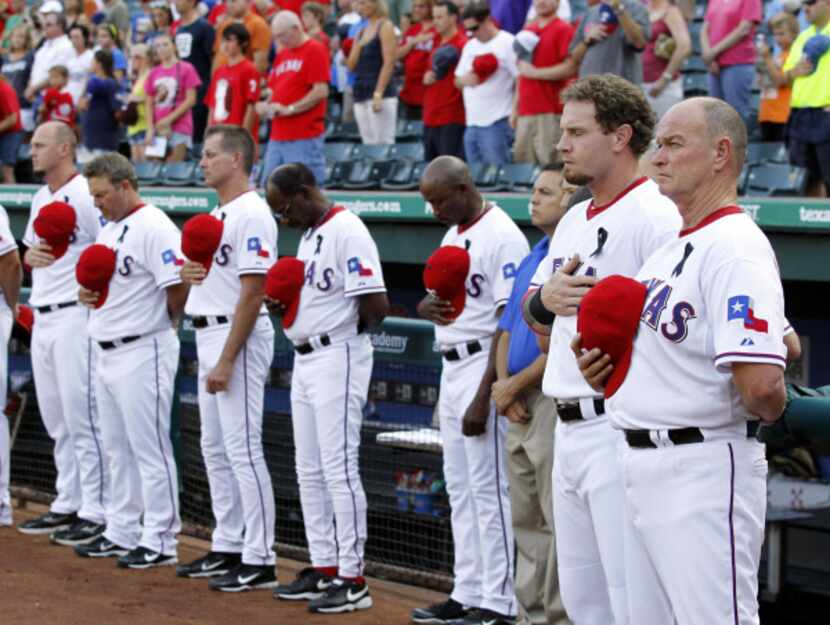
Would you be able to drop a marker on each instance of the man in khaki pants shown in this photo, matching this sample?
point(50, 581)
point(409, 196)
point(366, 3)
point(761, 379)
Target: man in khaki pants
point(517, 393)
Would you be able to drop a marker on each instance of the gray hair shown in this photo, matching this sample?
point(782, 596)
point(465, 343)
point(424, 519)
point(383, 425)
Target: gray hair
point(114, 167)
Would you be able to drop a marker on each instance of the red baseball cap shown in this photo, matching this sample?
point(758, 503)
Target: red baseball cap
point(608, 318)
point(25, 317)
point(95, 269)
point(201, 236)
point(55, 223)
point(445, 273)
point(284, 283)
point(485, 65)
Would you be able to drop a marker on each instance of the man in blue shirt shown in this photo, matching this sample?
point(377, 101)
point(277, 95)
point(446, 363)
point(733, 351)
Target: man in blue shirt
point(520, 364)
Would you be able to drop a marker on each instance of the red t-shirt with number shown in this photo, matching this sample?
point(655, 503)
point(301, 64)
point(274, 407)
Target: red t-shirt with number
point(9, 104)
point(443, 102)
point(415, 65)
point(232, 88)
point(60, 106)
point(294, 73)
point(537, 97)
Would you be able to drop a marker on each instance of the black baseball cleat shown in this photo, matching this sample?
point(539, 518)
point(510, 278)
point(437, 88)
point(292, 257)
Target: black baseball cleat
point(48, 523)
point(80, 533)
point(480, 616)
point(245, 577)
point(342, 596)
point(142, 558)
point(309, 584)
point(100, 548)
point(440, 613)
point(212, 564)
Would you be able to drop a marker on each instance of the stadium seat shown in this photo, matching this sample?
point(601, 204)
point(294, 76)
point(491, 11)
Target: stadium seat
point(365, 175)
point(24, 152)
point(407, 151)
point(695, 85)
point(181, 174)
point(199, 177)
point(695, 65)
point(334, 172)
point(344, 131)
point(753, 127)
point(694, 34)
point(195, 153)
point(485, 176)
point(404, 175)
point(371, 152)
point(336, 152)
point(759, 152)
point(148, 173)
point(518, 177)
point(256, 171)
point(743, 179)
point(409, 130)
point(264, 131)
point(334, 110)
point(776, 179)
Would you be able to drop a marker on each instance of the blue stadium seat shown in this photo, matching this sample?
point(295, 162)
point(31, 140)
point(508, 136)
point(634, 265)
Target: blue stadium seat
point(404, 175)
point(344, 131)
point(409, 130)
point(759, 152)
point(199, 177)
point(181, 174)
point(518, 177)
point(776, 179)
point(148, 173)
point(695, 65)
point(485, 176)
point(336, 152)
point(256, 171)
point(743, 179)
point(365, 175)
point(334, 111)
point(695, 85)
point(408, 151)
point(371, 152)
point(195, 153)
point(264, 131)
point(24, 152)
point(694, 34)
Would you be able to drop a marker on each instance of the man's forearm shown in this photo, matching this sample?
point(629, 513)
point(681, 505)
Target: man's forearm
point(560, 71)
point(10, 279)
point(244, 319)
point(490, 372)
point(502, 350)
point(632, 30)
point(531, 375)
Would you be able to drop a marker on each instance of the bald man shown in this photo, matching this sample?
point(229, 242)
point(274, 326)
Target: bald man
point(62, 353)
point(707, 366)
point(473, 434)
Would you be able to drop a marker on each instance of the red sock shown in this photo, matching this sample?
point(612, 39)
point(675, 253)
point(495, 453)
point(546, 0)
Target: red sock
point(357, 580)
point(330, 571)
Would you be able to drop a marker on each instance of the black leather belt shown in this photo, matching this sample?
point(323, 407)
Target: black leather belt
point(572, 412)
point(641, 439)
point(473, 347)
point(118, 342)
point(204, 322)
point(325, 341)
point(54, 307)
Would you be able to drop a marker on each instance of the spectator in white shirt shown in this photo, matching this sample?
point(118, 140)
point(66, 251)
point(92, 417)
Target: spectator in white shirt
point(80, 62)
point(54, 50)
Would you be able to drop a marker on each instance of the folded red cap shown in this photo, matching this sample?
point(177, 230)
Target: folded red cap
point(95, 269)
point(25, 317)
point(445, 273)
point(284, 283)
point(201, 236)
point(55, 224)
point(485, 65)
point(608, 318)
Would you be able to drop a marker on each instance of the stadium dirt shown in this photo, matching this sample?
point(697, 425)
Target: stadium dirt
point(43, 584)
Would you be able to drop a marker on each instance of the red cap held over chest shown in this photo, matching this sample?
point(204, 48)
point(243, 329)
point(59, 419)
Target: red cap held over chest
point(55, 223)
point(95, 269)
point(485, 65)
point(284, 283)
point(445, 273)
point(201, 236)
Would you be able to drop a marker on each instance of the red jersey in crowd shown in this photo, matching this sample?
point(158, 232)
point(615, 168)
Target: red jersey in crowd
point(232, 88)
point(537, 97)
point(294, 73)
point(58, 106)
point(296, 5)
point(9, 104)
point(443, 102)
point(415, 65)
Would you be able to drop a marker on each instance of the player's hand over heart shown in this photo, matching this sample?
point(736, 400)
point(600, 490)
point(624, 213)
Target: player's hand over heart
point(517, 412)
point(562, 293)
point(503, 393)
point(220, 376)
point(39, 255)
point(274, 307)
point(594, 366)
point(475, 418)
point(433, 308)
point(88, 298)
point(193, 273)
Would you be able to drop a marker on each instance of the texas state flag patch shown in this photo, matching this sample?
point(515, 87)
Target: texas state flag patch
point(255, 245)
point(169, 257)
point(355, 266)
point(743, 307)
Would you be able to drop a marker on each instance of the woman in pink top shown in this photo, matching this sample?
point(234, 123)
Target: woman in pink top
point(727, 41)
point(661, 65)
point(171, 93)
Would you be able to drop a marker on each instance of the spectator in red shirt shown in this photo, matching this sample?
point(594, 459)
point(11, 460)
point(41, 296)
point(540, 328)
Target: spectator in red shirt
point(299, 85)
point(295, 6)
point(234, 90)
point(543, 73)
point(443, 113)
point(11, 130)
point(414, 51)
point(58, 104)
point(314, 16)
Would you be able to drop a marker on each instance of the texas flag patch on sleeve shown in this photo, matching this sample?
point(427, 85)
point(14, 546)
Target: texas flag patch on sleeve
point(169, 256)
point(742, 307)
point(355, 266)
point(255, 245)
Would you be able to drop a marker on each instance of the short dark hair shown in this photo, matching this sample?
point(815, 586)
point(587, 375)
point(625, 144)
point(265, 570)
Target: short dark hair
point(477, 9)
point(235, 139)
point(316, 9)
point(617, 102)
point(114, 167)
point(240, 33)
point(60, 69)
point(452, 7)
point(84, 32)
point(292, 179)
point(104, 58)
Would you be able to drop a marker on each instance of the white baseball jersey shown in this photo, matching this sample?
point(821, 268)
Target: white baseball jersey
point(496, 247)
point(715, 298)
point(248, 246)
point(7, 244)
point(612, 239)
point(148, 248)
point(341, 264)
point(56, 283)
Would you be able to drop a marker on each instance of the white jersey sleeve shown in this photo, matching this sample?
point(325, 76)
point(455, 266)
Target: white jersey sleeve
point(506, 262)
point(7, 241)
point(362, 272)
point(257, 243)
point(164, 254)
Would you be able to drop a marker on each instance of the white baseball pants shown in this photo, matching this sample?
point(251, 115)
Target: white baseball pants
point(240, 485)
point(6, 322)
point(694, 523)
point(587, 512)
point(474, 469)
point(135, 392)
point(64, 372)
point(329, 388)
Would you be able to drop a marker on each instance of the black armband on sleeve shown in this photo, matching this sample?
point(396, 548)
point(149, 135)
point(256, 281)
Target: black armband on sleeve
point(538, 311)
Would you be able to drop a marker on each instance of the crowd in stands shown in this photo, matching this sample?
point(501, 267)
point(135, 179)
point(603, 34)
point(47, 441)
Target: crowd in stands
point(478, 79)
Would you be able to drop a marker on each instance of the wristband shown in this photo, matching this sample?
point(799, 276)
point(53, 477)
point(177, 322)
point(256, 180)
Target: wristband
point(667, 76)
point(377, 94)
point(538, 311)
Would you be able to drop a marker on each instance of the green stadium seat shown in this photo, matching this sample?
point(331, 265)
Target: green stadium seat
point(776, 179)
point(518, 177)
point(771, 152)
point(408, 151)
point(337, 152)
point(148, 173)
point(404, 175)
point(181, 174)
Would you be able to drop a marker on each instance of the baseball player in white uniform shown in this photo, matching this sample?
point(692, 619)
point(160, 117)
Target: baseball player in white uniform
point(138, 354)
point(707, 364)
point(613, 233)
point(342, 295)
point(473, 435)
point(235, 345)
point(62, 362)
point(10, 278)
